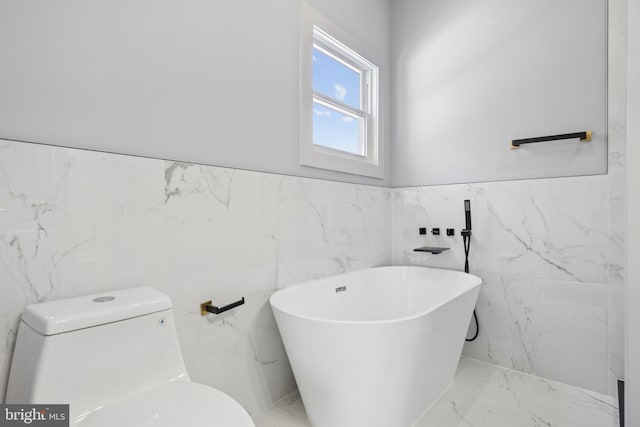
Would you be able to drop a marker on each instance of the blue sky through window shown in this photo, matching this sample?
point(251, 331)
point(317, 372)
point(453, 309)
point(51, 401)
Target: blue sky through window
point(335, 80)
point(332, 128)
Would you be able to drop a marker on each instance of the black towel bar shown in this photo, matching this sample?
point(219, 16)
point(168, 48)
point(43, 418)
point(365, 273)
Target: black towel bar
point(584, 136)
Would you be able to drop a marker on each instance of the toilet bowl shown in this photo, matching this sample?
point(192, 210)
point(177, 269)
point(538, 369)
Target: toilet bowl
point(172, 405)
point(115, 359)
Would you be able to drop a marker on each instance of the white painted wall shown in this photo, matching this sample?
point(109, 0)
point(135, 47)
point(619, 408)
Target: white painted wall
point(468, 77)
point(632, 406)
point(213, 82)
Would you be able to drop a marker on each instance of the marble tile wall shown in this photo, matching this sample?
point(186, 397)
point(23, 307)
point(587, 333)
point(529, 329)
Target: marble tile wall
point(74, 222)
point(542, 248)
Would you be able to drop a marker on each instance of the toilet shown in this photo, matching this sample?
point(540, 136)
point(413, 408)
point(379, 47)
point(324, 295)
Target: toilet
point(115, 359)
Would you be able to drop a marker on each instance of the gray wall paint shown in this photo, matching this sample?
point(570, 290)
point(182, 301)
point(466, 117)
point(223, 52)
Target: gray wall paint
point(632, 358)
point(469, 77)
point(204, 81)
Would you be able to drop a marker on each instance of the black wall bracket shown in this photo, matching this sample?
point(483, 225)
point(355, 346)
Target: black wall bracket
point(621, 402)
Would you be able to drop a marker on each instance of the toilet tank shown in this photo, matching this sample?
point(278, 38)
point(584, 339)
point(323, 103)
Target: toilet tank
point(93, 350)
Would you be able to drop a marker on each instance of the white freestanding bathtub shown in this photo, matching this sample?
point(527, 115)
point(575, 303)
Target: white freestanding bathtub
point(374, 348)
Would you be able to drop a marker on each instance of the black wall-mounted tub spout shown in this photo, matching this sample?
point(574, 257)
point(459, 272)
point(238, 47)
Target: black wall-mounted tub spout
point(431, 249)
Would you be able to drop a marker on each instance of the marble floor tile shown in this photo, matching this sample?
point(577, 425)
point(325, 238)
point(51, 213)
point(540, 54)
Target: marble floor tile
point(287, 412)
point(485, 395)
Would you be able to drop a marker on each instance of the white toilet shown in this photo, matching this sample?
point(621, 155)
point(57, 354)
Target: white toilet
point(115, 359)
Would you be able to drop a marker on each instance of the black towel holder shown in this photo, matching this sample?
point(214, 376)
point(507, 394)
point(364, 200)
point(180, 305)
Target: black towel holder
point(208, 307)
point(584, 136)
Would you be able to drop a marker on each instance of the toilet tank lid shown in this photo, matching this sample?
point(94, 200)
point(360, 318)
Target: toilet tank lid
point(65, 315)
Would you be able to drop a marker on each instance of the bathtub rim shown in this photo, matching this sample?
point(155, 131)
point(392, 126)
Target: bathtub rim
point(420, 314)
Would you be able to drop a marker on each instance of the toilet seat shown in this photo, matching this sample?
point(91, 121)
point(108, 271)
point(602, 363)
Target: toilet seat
point(176, 404)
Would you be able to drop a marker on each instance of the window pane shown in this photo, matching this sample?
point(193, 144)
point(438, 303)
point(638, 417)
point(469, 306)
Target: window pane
point(334, 129)
point(336, 80)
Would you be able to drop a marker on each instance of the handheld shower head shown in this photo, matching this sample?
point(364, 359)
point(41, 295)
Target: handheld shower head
point(467, 213)
point(467, 216)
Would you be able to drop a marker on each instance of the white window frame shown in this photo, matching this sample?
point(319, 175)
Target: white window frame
point(319, 32)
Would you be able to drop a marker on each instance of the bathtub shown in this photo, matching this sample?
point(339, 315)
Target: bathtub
point(374, 348)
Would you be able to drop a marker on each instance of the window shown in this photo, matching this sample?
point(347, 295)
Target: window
point(339, 107)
